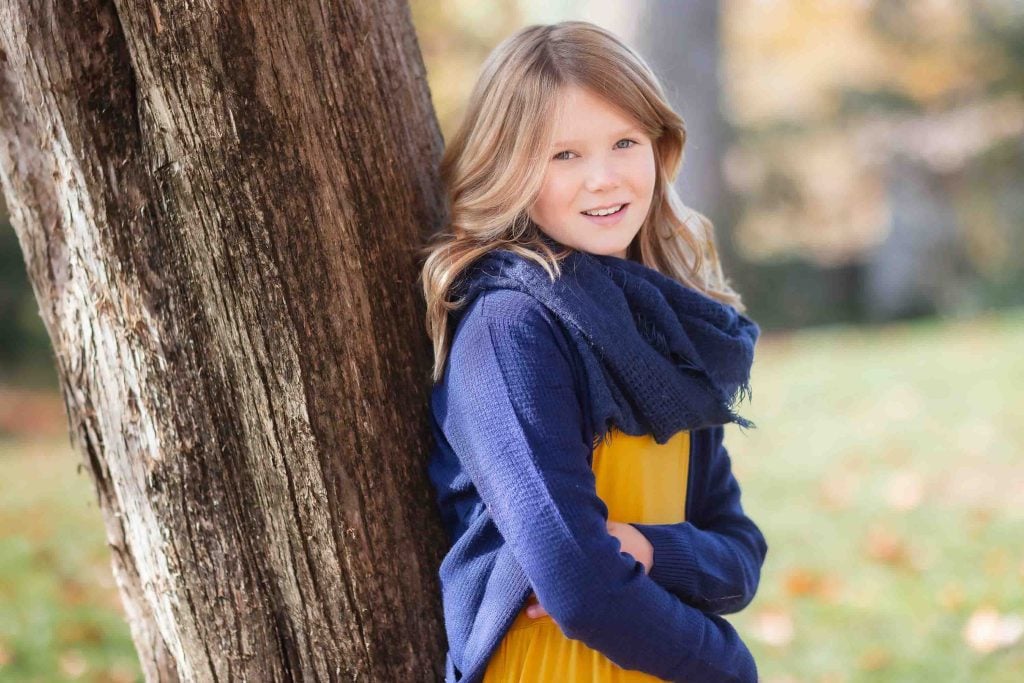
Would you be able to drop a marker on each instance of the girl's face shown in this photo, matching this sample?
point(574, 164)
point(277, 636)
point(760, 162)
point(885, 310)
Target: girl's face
point(601, 161)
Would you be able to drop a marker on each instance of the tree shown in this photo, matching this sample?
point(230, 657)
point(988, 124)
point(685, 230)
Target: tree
point(220, 206)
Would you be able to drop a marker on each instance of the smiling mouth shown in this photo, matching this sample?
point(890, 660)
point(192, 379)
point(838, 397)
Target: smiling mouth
point(601, 215)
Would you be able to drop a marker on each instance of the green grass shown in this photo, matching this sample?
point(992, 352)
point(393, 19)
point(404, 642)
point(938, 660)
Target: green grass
point(60, 615)
point(887, 476)
point(886, 473)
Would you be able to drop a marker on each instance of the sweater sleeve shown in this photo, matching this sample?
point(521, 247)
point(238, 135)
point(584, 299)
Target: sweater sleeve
point(713, 561)
point(514, 420)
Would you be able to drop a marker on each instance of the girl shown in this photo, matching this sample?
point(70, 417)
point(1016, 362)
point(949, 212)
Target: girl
point(588, 352)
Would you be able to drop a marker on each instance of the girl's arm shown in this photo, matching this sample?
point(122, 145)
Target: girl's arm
point(713, 561)
point(510, 411)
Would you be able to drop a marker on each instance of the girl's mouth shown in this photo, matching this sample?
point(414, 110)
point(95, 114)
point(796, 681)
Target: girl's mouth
point(610, 218)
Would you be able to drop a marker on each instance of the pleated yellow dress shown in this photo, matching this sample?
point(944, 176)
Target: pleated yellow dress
point(640, 481)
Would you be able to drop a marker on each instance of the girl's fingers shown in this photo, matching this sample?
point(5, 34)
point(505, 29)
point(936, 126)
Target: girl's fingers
point(534, 609)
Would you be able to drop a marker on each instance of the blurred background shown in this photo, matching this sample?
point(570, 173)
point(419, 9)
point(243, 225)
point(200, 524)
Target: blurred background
point(862, 163)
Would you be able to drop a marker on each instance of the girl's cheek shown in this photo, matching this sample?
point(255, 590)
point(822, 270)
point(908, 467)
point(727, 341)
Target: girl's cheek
point(646, 180)
point(644, 166)
point(561, 184)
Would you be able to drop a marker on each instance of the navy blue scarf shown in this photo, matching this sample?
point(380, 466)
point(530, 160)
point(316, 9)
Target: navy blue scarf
point(660, 357)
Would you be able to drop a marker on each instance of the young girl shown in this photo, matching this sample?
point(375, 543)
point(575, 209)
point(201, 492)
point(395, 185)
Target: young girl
point(588, 352)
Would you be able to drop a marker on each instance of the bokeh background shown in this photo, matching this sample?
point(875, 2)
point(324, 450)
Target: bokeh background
point(862, 162)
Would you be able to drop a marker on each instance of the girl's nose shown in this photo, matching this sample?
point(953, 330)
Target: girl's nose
point(601, 175)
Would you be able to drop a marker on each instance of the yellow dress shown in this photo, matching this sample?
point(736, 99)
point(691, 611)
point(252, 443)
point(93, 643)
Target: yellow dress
point(640, 481)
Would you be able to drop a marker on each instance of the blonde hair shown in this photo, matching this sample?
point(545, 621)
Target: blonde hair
point(493, 167)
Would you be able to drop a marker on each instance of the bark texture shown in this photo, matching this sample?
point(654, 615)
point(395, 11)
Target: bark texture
point(219, 205)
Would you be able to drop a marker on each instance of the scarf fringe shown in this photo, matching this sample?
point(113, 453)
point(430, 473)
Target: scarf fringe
point(657, 339)
point(743, 393)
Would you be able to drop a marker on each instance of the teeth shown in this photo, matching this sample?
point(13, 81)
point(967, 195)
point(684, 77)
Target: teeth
point(603, 212)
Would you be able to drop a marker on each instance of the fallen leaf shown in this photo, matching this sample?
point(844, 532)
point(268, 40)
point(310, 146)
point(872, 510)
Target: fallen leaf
point(72, 663)
point(800, 582)
point(978, 519)
point(874, 659)
point(884, 545)
point(74, 592)
point(838, 490)
point(904, 490)
point(803, 582)
point(997, 562)
point(833, 677)
point(74, 632)
point(987, 630)
point(121, 672)
point(773, 626)
point(951, 596)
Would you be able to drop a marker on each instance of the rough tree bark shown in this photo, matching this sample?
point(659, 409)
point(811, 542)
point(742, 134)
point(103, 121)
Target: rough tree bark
point(219, 205)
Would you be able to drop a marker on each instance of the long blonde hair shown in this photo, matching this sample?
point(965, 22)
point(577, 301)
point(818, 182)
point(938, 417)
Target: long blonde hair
point(493, 167)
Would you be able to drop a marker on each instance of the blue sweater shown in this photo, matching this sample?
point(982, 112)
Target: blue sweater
point(511, 465)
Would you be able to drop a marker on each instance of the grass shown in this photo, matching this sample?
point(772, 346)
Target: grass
point(60, 615)
point(885, 472)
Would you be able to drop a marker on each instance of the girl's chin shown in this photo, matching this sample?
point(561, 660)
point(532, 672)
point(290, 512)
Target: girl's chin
point(604, 240)
point(607, 250)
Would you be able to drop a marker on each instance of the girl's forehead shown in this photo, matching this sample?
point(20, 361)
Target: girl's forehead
point(574, 95)
point(578, 109)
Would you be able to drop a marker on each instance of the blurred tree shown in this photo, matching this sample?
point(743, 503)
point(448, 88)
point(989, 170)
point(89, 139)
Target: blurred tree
point(879, 145)
point(944, 111)
point(219, 208)
point(455, 38)
point(682, 44)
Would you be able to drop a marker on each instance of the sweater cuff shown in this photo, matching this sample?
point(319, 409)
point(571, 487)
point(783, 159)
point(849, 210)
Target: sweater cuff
point(675, 564)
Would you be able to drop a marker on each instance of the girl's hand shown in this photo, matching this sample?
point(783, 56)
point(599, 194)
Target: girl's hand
point(535, 610)
point(632, 542)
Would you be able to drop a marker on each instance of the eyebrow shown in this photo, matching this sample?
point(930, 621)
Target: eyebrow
point(568, 143)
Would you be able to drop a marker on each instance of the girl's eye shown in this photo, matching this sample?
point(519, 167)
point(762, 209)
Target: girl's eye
point(560, 156)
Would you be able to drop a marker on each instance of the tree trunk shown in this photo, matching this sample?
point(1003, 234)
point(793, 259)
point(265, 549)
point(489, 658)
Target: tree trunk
point(682, 44)
point(922, 267)
point(219, 205)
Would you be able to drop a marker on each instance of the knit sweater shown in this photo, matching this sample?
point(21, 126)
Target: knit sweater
point(516, 492)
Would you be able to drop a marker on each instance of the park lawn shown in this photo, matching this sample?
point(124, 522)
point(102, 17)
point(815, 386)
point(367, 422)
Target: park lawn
point(886, 473)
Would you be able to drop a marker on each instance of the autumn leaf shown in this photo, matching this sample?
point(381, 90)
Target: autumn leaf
point(886, 546)
point(773, 626)
point(837, 490)
point(904, 490)
point(874, 658)
point(987, 630)
point(803, 582)
point(951, 596)
point(72, 664)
